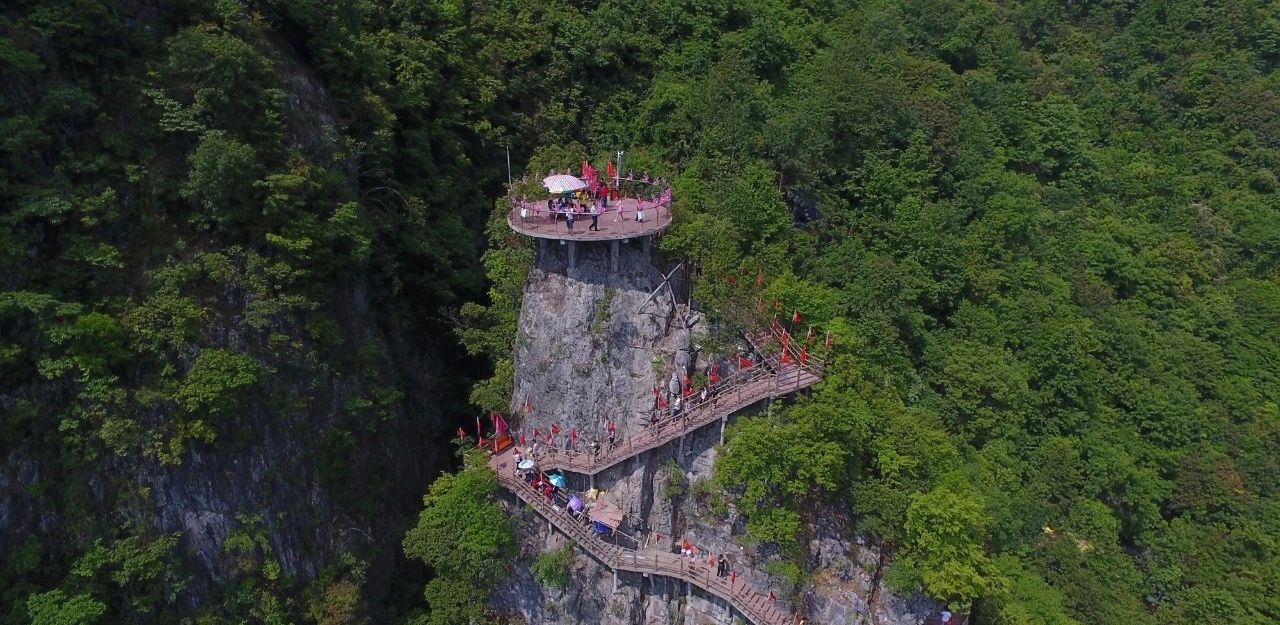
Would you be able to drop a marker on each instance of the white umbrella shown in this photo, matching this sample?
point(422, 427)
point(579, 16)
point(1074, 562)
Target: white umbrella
point(561, 183)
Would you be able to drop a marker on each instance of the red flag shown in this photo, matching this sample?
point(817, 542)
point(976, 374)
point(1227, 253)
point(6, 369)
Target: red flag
point(795, 316)
point(655, 390)
point(786, 357)
point(712, 377)
point(537, 434)
point(772, 597)
point(586, 169)
point(743, 362)
point(573, 435)
point(828, 342)
point(809, 337)
point(555, 429)
point(760, 279)
point(662, 404)
point(785, 337)
point(499, 424)
point(711, 562)
point(610, 169)
point(528, 406)
point(610, 427)
point(804, 355)
point(522, 439)
point(461, 434)
point(733, 578)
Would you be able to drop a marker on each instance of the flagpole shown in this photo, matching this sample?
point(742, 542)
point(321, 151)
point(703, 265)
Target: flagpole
point(508, 166)
point(617, 175)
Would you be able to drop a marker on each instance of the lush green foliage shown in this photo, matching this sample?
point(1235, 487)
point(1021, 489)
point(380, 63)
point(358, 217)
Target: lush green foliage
point(552, 567)
point(229, 224)
point(465, 538)
point(1043, 234)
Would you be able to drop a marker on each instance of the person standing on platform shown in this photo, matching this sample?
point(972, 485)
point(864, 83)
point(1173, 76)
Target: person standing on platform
point(568, 219)
point(595, 217)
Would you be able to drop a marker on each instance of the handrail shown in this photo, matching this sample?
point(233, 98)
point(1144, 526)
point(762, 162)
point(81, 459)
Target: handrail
point(746, 600)
point(739, 390)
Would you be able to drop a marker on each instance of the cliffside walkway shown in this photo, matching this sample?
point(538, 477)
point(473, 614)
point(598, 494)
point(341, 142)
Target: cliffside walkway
point(772, 376)
point(748, 601)
point(737, 391)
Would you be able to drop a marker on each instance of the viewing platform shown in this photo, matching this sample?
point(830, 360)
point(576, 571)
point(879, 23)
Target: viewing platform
point(622, 207)
point(534, 218)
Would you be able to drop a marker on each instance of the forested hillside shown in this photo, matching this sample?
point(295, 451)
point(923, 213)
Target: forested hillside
point(1045, 237)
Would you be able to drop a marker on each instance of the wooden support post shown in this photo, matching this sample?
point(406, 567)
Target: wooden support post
point(573, 254)
point(681, 455)
point(615, 581)
point(644, 245)
point(613, 255)
point(723, 418)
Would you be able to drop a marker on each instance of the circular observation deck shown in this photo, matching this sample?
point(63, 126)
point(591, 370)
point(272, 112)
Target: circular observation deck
point(534, 219)
point(648, 212)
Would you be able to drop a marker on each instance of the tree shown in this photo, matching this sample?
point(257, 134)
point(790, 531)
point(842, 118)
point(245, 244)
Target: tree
point(943, 546)
point(57, 608)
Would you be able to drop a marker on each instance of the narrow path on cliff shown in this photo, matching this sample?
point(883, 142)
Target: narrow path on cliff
point(774, 377)
point(785, 371)
point(747, 600)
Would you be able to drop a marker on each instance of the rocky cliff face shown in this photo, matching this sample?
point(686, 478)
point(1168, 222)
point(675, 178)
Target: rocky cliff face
point(329, 458)
point(592, 346)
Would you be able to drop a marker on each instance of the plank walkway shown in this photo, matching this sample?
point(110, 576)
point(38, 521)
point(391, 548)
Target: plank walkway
point(739, 390)
point(765, 379)
point(747, 600)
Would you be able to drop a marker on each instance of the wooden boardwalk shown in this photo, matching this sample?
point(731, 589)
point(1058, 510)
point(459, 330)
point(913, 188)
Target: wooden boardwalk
point(747, 600)
point(738, 391)
point(765, 379)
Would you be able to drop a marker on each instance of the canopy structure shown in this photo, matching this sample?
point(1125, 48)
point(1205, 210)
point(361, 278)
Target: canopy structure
point(606, 513)
point(563, 183)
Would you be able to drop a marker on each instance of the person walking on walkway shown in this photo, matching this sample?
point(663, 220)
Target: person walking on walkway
point(595, 217)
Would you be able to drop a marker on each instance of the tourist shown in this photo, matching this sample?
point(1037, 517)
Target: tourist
point(595, 217)
point(686, 549)
point(595, 447)
point(568, 219)
point(639, 211)
point(722, 566)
